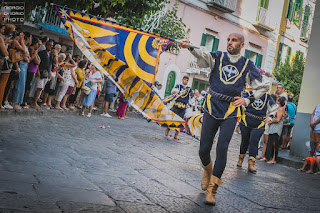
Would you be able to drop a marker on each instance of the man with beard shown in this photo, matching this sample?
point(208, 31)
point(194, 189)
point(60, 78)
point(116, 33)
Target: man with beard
point(230, 72)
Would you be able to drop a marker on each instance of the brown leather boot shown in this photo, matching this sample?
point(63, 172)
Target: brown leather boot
point(240, 161)
point(212, 190)
point(251, 162)
point(206, 175)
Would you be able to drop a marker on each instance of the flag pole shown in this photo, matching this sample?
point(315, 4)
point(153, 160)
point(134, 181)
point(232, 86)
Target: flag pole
point(190, 45)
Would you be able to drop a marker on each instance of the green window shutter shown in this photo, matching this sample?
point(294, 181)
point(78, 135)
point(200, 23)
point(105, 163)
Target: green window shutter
point(215, 44)
point(204, 39)
point(290, 10)
point(264, 3)
point(247, 53)
point(258, 60)
point(288, 53)
point(297, 12)
point(306, 14)
point(279, 54)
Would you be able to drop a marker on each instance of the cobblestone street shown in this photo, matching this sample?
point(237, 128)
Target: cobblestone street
point(69, 164)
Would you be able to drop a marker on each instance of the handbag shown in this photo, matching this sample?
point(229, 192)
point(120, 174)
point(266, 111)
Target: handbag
point(44, 73)
point(87, 88)
point(15, 55)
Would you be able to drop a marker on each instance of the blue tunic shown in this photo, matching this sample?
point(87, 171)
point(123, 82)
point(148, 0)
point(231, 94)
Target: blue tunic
point(258, 108)
point(229, 79)
point(183, 100)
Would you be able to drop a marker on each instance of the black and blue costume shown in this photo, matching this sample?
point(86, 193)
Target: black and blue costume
point(181, 104)
point(227, 80)
point(252, 123)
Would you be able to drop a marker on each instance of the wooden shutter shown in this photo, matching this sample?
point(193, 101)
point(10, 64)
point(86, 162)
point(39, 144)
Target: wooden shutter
point(290, 10)
point(215, 44)
point(264, 3)
point(297, 12)
point(258, 60)
point(247, 53)
point(279, 54)
point(288, 53)
point(204, 39)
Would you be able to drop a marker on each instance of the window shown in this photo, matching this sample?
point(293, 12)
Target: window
point(290, 10)
point(210, 42)
point(305, 24)
point(264, 4)
point(255, 57)
point(297, 12)
point(288, 56)
point(284, 54)
point(200, 85)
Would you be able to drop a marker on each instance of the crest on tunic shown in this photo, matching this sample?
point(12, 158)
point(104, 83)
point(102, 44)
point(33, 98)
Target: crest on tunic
point(229, 72)
point(259, 104)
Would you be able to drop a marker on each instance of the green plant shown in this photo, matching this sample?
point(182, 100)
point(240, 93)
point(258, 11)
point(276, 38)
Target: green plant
point(290, 74)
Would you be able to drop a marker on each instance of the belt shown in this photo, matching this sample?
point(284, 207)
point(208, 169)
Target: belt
point(254, 116)
point(220, 96)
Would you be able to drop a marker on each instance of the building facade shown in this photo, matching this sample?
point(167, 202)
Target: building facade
point(264, 23)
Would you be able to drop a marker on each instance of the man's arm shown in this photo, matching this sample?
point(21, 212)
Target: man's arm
point(204, 58)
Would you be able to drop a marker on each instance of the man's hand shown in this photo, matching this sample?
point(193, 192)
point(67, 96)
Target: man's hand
point(185, 43)
point(239, 101)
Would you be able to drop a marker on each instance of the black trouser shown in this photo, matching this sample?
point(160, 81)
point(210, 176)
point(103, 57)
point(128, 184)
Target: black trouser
point(210, 126)
point(272, 146)
point(250, 136)
point(73, 97)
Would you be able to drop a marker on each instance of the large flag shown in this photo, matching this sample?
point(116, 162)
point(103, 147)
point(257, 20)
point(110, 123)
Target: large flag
point(130, 58)
point(139, 50)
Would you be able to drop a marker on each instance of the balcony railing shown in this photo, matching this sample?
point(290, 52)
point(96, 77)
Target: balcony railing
point(47, 18)
point(305, 32)
point(226, 6)
point(263, 19)
point(51, 18)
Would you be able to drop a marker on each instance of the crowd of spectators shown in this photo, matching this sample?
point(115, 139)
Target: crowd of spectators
point(36, 73)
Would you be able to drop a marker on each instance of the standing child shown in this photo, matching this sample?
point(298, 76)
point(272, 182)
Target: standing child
point(121, 112)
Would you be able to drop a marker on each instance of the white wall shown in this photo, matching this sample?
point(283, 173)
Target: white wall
point(309, 94)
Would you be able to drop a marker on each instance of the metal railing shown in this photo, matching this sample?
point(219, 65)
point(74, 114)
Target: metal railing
point(263, 16)
point(305, 32)
point(46, 16)
point(225, 5)
point(51, 18)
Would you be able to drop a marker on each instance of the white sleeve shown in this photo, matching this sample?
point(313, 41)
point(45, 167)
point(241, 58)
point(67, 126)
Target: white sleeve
point(204, 58)
point(258, 87)
point(272, 110)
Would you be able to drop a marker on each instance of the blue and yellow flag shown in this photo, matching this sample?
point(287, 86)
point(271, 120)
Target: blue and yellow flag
point(127, 56)
point(136, 48)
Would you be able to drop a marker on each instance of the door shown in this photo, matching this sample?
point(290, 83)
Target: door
point(170, 83)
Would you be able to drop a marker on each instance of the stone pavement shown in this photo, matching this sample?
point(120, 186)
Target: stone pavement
point(69, 164)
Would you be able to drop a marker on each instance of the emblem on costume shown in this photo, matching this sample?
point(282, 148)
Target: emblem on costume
point(230, 72)
point(259, 104)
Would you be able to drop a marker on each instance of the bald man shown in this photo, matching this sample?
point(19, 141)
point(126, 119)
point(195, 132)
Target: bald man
point(230, 72)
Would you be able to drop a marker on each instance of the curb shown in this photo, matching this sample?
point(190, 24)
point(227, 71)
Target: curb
point(12, 114)
point(286, 159)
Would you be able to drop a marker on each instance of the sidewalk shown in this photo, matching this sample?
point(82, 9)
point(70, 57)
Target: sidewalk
point(286, 159)
point(10, 113)
point(284, 156)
